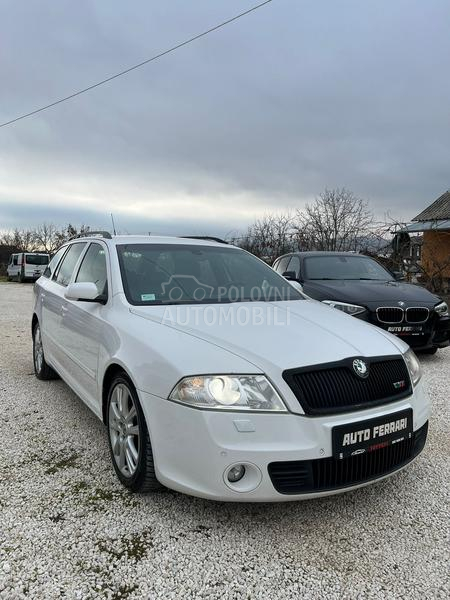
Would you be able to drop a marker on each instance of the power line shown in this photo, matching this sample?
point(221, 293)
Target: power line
point(137, 66)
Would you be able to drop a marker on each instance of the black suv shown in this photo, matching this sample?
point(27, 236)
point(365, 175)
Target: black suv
point(359, 286)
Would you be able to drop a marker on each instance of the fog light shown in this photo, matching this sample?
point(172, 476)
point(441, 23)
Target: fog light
point(236, 473)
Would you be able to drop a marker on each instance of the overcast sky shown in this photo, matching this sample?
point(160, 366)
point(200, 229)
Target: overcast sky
point(261, 115)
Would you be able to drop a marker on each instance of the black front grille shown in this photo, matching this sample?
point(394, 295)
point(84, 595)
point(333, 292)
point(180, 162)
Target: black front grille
point(333, 388)
point(390, 314)
point(308, 476)
point(417, 315)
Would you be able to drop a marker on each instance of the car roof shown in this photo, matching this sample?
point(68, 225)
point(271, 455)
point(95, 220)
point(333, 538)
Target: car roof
point(326, 253)
point(116, 240)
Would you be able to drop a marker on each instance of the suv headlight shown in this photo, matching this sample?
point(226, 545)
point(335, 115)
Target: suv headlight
point(414, 368)
point(228, 392)
point(350, 309)
point(442, 309)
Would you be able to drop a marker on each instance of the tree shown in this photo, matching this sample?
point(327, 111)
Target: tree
point(66, 233)
point(336, 221)
point(43, 238)
point(269, 237)
point(21, 240)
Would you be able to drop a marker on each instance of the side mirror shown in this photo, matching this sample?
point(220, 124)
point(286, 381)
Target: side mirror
point(85, 291)
point(290, 275)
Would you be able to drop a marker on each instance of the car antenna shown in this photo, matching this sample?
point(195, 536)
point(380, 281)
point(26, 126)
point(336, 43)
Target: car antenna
point(113, 226)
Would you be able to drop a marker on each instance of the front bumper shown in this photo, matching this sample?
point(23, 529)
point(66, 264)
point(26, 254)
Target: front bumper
point(194, 448)
point(441, 337)
point(435, 332)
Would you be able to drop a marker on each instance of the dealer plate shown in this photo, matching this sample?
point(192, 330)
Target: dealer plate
point(405, 329)
point(373, 434)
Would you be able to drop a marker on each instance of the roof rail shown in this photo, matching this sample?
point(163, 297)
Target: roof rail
point(104, 234)
point(204, 237)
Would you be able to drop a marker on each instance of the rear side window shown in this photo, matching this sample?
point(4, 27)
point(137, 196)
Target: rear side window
point(65, 270)
point(51, 267)
point(93, 268)
point(15, 257)
point(294, 265)
point(282, 264)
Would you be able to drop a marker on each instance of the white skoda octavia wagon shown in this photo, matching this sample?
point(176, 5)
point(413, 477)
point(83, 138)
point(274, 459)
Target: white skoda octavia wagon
point(215, 377)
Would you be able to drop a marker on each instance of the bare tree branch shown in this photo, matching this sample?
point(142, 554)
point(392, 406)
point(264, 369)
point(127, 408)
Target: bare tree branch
point(336, 221)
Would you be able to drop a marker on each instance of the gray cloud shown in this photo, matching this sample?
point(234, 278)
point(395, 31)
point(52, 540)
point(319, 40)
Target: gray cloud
point(263, 114)
point(22, 215)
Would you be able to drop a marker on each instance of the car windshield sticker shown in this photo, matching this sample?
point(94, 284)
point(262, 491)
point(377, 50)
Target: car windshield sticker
point(147, 297)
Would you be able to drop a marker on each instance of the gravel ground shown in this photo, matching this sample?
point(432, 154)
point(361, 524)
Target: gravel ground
point(68, 529)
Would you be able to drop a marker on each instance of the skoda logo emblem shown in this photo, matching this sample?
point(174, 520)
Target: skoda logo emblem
point(360, 368)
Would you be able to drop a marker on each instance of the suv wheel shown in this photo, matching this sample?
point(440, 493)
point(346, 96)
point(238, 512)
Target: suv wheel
point(41, 369)
point(128, 437)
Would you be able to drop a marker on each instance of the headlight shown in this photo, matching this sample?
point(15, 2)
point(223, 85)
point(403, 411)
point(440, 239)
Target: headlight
point(414, 368)
point(350, 309)
point(442, 309)
point(228, 392)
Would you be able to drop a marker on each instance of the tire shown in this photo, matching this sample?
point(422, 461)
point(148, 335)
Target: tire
point(8, 278)
point(20, 277)
point(42, 370)
point(131, 453)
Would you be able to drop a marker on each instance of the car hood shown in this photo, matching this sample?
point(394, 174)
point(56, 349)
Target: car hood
point(369, 291)
point(279, 335)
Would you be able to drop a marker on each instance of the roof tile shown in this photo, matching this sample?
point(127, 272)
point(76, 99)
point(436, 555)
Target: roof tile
point(440, 209)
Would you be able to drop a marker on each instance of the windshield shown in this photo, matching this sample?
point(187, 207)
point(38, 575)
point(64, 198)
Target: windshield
point(345, 267)
point(37, 259)
point(188, 274)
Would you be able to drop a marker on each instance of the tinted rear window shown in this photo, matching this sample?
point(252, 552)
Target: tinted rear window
point(37, 259)
point(51, 267)
point(65, 271)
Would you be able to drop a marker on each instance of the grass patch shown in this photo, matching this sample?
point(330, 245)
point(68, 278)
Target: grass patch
point(94, 498)
point(64, 463)
point(100, 495)
point(124, 591)
point(133, 547)
point(80, 486)
point(57, 518)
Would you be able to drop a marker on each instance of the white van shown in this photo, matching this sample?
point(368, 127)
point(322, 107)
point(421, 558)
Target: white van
point(27, 265)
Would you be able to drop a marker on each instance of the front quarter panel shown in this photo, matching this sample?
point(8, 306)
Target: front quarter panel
point(157, 356)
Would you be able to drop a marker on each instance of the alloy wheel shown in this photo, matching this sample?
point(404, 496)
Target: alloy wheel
point(38, 350)
point(124, 430)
